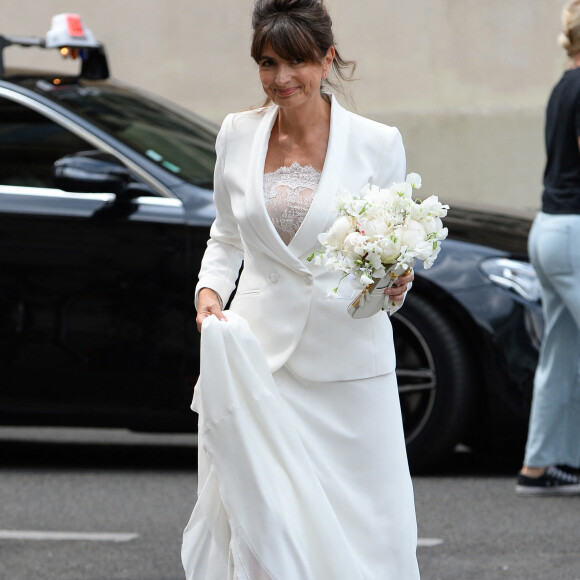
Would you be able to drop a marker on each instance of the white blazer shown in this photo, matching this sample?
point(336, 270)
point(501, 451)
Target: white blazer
point(282, 295)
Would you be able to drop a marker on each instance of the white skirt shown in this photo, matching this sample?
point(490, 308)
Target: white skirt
point(298, 480)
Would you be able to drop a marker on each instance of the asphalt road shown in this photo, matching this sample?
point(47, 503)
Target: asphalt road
point(88, 505)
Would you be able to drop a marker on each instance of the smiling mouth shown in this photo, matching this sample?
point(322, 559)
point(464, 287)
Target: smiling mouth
point(285, 92)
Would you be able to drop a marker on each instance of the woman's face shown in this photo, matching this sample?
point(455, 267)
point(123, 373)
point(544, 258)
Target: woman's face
point(292, 83)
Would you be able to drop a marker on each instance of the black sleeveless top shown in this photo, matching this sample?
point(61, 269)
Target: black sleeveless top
point(562, 172)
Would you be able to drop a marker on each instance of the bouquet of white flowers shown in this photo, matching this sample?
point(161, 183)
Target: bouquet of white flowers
point(378, 236)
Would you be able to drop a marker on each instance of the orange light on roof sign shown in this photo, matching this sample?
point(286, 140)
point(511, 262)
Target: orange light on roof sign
point(67, 52)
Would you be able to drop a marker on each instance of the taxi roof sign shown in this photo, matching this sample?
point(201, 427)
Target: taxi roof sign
point(67, 30)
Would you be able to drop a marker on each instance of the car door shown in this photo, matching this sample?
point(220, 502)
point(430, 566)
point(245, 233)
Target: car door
point(92, 291)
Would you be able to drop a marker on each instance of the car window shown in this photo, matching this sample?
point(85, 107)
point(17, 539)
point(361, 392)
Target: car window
point(30, 144)
point(173, 138)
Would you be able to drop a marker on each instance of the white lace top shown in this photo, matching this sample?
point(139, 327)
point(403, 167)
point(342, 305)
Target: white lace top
point(288, 193)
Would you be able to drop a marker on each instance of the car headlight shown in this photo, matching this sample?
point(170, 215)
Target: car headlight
point(514, 275)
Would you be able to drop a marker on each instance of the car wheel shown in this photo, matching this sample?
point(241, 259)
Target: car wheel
point(434, 374)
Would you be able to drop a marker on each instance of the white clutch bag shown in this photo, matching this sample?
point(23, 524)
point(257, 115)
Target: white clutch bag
point(372, 298)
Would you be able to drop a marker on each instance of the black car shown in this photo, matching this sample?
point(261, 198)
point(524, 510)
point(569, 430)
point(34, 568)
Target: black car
point(105, 209)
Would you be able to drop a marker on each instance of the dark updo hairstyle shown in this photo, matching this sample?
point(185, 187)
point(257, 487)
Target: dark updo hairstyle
point(298, 29)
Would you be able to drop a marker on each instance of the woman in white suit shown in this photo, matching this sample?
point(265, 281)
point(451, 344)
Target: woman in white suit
point(333, 453)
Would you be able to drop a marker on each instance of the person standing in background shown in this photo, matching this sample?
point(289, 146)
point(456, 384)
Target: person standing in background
point(553, 447)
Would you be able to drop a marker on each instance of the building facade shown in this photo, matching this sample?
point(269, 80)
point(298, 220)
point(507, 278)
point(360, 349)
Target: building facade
point(465, 81)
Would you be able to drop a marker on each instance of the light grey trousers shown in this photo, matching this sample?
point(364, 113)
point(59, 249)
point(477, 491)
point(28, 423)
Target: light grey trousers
point(554, 429)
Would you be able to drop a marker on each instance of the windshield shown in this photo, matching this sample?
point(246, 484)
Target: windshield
point(172, 137)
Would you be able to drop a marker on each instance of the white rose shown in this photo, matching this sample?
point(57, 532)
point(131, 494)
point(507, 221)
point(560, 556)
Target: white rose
point(355, 243)
point(390, 248)
point(374, 228)
point(413, 235)
point(337, 232)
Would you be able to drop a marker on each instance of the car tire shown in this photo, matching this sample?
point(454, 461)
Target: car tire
point(435, 378)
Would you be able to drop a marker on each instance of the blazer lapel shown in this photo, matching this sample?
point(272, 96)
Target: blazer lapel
point(320, 216)
point(256, 213)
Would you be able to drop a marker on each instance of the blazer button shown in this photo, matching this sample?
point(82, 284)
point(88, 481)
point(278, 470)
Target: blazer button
point(273, 277)
point(308, 279)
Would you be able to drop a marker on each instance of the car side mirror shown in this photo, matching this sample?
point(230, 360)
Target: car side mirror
point(96, 172)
